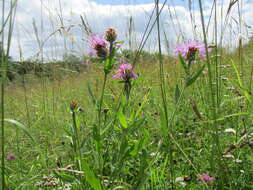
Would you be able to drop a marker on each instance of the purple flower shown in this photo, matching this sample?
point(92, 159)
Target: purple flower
point(118, 45)
point(98, 45)
point(11, 156)
point(125, 72)
point(206, 178)
point(189, 49)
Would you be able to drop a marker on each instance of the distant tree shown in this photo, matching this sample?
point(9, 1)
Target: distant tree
point(72, 61)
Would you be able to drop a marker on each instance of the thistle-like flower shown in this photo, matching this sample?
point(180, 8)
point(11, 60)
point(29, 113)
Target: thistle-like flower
point(125, 72)
point(11, 156)
point(99, 46)
point(190, 49)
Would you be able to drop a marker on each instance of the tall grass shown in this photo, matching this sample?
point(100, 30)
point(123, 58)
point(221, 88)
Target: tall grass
point(167, 127)
point(3, 66)
point(213, 103)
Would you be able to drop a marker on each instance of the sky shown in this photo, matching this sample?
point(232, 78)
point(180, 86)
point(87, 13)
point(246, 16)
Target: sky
point(135, 2)
point(57, 25)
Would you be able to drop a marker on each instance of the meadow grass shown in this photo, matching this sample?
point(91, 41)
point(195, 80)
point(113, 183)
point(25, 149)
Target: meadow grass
point(52, 147)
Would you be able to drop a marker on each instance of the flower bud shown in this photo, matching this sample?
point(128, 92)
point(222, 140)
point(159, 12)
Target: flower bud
point(111, 35)
point(73, 105)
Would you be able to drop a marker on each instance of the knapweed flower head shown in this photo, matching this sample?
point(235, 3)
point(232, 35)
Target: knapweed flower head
point(205, 178)
point(98, 45)
point(11, 156)
point(125, 72)
point(189, 50)
point(111, 35)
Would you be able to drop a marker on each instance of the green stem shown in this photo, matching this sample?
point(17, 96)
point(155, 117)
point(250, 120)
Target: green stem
point(76, 139)
point(2, 101)
point(99, 121)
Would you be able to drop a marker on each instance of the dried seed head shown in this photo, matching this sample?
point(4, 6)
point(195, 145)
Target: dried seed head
point(111, 35)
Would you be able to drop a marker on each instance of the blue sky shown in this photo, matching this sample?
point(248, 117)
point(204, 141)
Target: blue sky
point(101, 14)
point(135, 2)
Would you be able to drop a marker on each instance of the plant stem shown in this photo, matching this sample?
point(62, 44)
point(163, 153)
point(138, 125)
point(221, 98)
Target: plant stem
point(99, 121)
point(2, 101)
point(76, 140)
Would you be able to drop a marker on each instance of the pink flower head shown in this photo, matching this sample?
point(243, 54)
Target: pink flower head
point(98, 45)
point(11, 156)
point(125, 72)
point(206, 178)
point(188, 50)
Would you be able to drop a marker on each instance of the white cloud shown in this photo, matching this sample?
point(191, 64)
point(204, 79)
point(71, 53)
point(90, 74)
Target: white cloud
point(175, 21)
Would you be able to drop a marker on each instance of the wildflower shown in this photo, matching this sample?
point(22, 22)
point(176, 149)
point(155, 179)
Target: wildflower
point(125, 72)
point(73, 105)
point(11, 156)
point(190, 49)
point(111, 35)
point(204, 178)
point(99, 46)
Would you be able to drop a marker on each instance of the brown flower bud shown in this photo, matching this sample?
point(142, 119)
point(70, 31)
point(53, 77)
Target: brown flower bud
point(73, 105)
point(111, 35)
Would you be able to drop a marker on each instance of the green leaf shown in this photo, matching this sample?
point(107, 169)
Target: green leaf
point(138, 146)
point(143, 174)
point(93, 181)
point(20, 126)
point(139, 111)
point(64, 176)
point(164, 126)
point(182, 61)
point(119, 42)
point(195, 76)
point(177, 94)
point(136, 125)
point(237, 74)
point(245, 92)
point(109, 64)
point(93, 98)
point(122, 120)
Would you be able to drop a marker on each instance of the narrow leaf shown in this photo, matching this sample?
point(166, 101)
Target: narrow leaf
point(195, 76)
point(182, 61)
point(93, 181)
point(21, 126)
point(122, 120)
point(177, 94)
